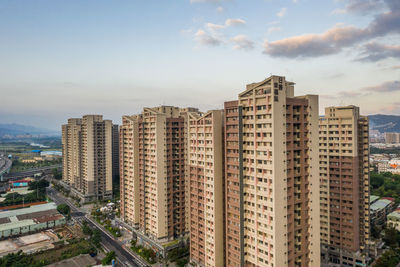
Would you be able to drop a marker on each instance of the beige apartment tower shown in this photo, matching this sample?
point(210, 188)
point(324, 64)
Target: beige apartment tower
point(344, 195)
point(392, 138)
point(272, 177)
point(87, 157)
point(205, 163)
point(152, 172)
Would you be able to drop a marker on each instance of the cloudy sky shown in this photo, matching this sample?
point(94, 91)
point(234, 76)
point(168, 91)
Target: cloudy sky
point(61, 59)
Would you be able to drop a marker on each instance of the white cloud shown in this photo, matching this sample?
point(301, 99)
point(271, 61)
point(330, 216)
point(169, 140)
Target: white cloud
point(242, 42)
point(386, 87)
point(214, 27)
point(212, 35)
point(282, 12)
point(228, 23)
point(335, 39)
point(234, 22)
point(314, 45)
point(205, 38)
point(374, 51)
point(295, 1)
point(220, 9)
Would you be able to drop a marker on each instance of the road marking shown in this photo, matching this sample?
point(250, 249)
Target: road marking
point(137, 260)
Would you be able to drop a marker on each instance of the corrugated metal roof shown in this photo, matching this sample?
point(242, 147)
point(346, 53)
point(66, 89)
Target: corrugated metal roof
point(380, 204)
point(12, 225)
point(36, 208)
point(372, 198)
point(29, 216)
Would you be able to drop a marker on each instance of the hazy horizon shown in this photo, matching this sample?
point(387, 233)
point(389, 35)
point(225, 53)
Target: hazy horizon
point(66, 59)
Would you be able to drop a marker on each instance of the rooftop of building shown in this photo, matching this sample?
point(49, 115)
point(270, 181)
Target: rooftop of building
point(394, 215)
point(32, 209)
point(380, 204)
point(373, 198)
point(29, 216)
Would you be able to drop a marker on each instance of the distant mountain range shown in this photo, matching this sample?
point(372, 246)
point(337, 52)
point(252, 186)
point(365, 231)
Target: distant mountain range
point(384, 123)
point(18, 129)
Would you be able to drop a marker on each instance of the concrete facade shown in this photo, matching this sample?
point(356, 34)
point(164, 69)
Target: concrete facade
point(344, 194)
point(271, 170)
point(205, 160)
point(392, 138)
point(152, 170)
point(87, 160)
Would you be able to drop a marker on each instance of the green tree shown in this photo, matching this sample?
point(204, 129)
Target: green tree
point(64, 209)
point(108, 258)
point(57, 174)
point(376, 180)
point(391, 237)
point(388, 259)
point(86, 229)
point(96, 237)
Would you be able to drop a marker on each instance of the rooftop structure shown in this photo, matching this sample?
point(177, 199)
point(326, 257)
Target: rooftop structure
point(373, 198)
point(379, 210)
point(26, 220)
point(393, 219)
point(29, 243)
point(380, 204)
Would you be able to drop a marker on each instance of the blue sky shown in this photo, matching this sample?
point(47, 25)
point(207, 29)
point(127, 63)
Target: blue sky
point(61, 59)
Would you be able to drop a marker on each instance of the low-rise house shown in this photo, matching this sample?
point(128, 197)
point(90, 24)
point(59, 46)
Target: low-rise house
point(393, 219)
point(379, 209)
point(29, 220)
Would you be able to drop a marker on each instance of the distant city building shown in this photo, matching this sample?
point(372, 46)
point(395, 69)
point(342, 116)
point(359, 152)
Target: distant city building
point(375, 136)
point(392, 166)
point(392, 138)
point(344, 175)
point(271, 177)
point(153, 149)
point(87, 157)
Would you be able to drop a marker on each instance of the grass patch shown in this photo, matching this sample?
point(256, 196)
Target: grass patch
point(170, 244)
point(73, 249)
point(145, 253)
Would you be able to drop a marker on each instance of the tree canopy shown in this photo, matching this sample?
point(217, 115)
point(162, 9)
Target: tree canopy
point(385, 185)
point(64, 209)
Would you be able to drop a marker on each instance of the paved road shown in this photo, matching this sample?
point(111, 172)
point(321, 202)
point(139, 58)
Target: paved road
point(5, 164)
point(124, 258)
point(23, 174)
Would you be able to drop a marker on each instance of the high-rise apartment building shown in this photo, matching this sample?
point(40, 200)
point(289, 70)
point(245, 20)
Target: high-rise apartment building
point(272, 177)
point(344, 178)
point(152, 170)
point(87, 157)
point(205, 164)
point(392, 138)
